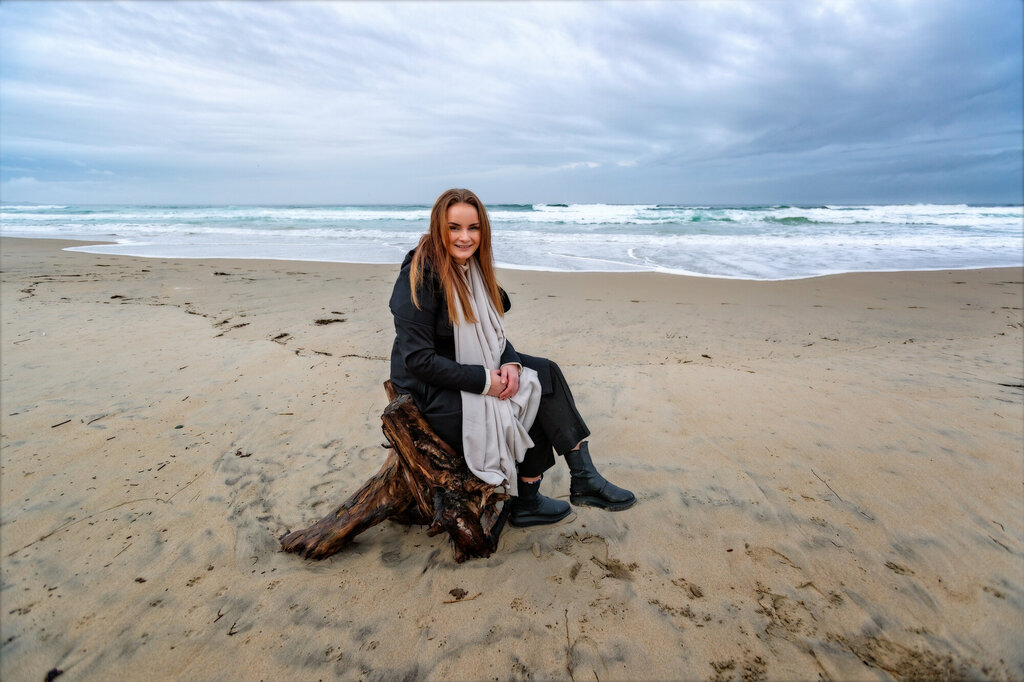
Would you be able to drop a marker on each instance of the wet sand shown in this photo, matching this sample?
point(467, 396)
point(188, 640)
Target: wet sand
point(830, 476)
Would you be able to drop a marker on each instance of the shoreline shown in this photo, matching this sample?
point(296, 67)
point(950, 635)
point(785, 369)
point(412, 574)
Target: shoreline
point(74, 244)
point(828, 475)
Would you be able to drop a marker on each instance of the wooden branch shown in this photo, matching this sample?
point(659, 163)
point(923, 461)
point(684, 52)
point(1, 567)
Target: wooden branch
point(423, 481)
point(383, 496)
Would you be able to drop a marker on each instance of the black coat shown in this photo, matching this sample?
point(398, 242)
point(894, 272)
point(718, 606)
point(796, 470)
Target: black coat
point(423, 356)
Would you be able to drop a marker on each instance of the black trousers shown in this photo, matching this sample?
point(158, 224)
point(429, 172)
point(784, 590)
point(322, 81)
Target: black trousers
point(558, 427)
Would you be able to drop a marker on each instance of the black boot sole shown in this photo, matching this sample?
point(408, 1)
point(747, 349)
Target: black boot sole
point(528, 521)
point(601, 503)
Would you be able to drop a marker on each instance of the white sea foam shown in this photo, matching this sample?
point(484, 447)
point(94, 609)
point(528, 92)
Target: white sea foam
point(764, 242)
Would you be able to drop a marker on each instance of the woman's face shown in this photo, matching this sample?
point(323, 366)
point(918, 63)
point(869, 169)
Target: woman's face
point(463, 232)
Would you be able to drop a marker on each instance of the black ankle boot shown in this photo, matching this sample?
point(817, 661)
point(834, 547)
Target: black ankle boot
point(589, 488)
point(533, 509)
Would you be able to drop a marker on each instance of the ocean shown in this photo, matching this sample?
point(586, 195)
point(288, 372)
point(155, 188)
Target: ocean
point(743, 242)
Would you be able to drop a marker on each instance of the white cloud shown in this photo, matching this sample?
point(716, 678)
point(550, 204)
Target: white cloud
point(21, 182)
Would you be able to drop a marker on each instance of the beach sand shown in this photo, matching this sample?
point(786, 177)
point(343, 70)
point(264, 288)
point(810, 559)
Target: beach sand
point(829, 472)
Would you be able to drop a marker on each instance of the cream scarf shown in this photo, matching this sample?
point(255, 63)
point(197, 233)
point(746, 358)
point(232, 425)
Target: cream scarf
point(494, 432)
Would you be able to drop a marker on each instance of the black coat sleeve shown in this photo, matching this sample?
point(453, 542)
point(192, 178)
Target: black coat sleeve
point(510, 354)
point(416, 342)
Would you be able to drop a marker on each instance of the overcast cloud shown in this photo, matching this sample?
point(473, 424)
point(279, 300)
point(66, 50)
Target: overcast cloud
point(672, 102)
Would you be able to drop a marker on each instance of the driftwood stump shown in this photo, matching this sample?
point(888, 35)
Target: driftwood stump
point(423, 481)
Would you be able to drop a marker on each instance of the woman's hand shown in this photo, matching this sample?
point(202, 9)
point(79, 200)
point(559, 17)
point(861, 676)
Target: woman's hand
point(510, 376)
point(497, 384)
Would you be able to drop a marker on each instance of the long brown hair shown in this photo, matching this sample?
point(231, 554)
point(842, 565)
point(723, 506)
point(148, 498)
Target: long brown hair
point(433, 249)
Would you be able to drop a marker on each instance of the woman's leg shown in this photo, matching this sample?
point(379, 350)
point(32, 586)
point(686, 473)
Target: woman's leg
point(531, 508)
point(540, 457)
point(560, 426)
point(558, 417)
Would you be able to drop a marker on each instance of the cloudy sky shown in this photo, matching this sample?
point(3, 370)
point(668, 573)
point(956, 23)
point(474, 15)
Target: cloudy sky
point(781, 101)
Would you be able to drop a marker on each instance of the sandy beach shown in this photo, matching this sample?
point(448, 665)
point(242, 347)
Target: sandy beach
point(829, 472)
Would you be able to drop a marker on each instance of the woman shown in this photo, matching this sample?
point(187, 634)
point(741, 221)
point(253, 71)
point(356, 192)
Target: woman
point(503, 411)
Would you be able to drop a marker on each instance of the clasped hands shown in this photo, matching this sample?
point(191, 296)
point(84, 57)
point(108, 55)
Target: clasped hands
point(504, 382)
